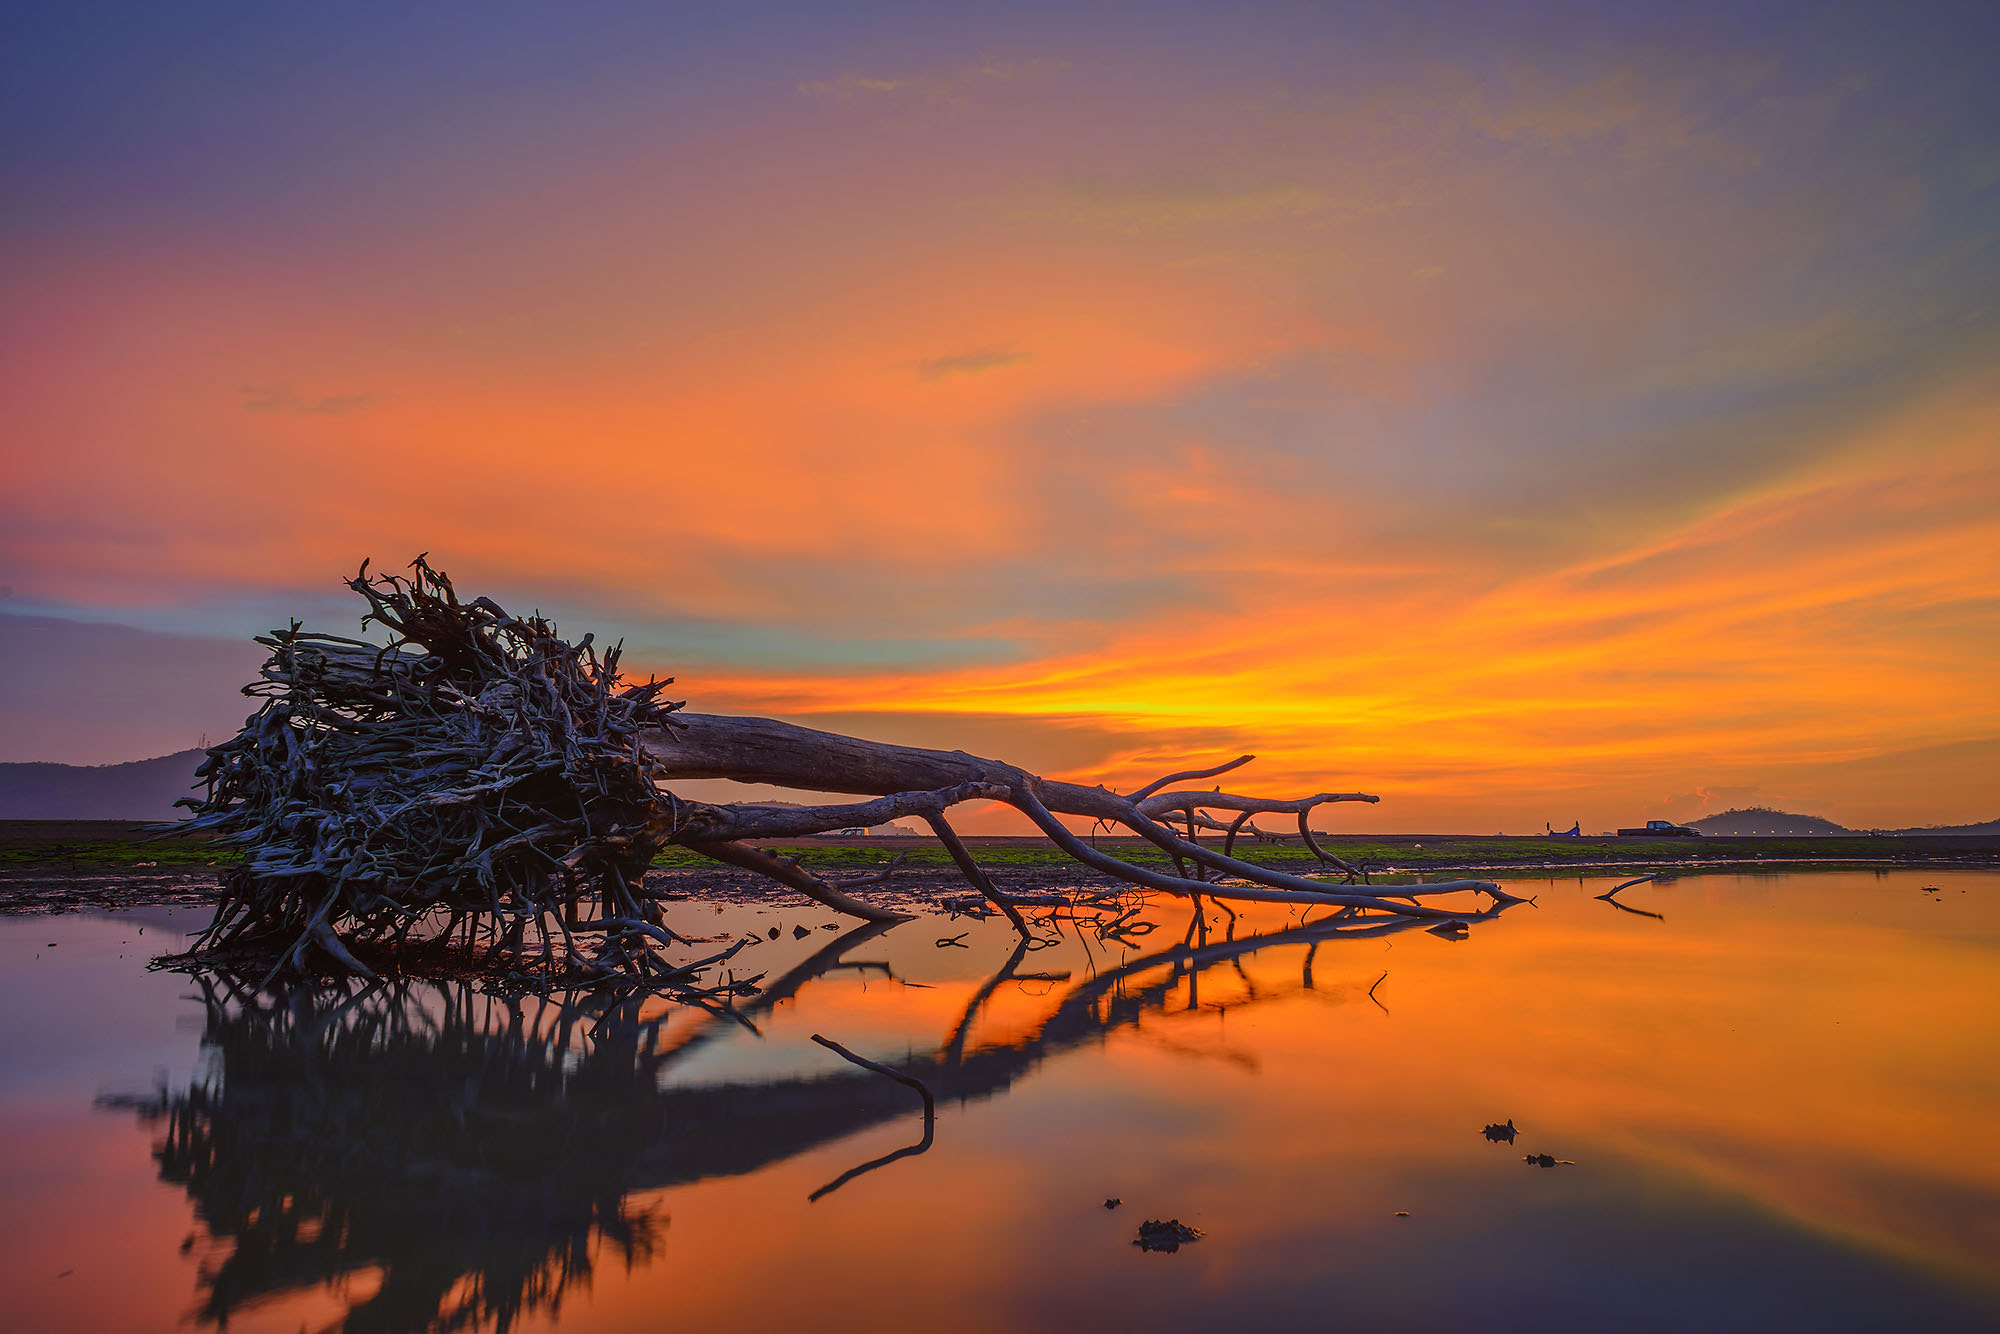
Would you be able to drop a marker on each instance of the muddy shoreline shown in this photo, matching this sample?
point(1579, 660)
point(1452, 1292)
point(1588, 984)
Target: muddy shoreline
point(62, 866)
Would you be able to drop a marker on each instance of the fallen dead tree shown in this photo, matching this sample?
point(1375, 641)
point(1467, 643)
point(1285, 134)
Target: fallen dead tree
point(479, 780)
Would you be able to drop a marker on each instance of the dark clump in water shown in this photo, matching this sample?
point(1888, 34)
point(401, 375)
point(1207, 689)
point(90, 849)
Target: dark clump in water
point(1165, 1234)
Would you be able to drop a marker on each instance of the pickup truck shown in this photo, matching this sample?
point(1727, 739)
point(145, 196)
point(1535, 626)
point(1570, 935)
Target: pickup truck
point(1661, 829)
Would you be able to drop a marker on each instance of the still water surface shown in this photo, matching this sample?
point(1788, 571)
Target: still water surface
point(1778, 1100)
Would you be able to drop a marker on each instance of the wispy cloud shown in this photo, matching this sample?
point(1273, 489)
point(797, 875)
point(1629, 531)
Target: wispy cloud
point(283, 398)
point(850, 86)
point(1706, 800)
point(1633, 109)
point(976, 362)
point(952, 89)
point(1179, 199)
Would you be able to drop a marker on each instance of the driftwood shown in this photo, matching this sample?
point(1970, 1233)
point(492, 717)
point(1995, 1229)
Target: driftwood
point(910, 1151)
point(480, 781)
point(1611, 897)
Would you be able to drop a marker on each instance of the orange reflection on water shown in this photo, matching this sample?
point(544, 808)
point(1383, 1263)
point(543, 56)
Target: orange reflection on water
point(1774, 1097)
point(1813, 1055)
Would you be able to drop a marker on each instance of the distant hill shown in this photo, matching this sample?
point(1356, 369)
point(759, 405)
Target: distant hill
point(140, 790)
point(1752, 820)
point(1986, 828)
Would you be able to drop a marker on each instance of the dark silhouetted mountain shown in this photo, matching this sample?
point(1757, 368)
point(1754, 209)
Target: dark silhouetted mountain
point(1985, 828)
point(140, 790)
point(1752, 820)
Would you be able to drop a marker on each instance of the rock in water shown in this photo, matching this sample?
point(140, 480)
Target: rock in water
point(1169, 1235)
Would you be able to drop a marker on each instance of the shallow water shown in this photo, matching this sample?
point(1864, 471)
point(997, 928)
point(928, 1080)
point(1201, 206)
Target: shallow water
point(1777, 1101)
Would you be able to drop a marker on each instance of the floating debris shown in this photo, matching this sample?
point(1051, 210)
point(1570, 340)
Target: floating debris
point(1548, 1160)
point(1496, 1133)
point(1113, 1202)
point(1165, 1234)
point(800, 932)
point(1402, 1213)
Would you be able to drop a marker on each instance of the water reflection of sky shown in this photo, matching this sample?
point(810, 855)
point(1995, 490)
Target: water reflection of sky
point(1777, 1096)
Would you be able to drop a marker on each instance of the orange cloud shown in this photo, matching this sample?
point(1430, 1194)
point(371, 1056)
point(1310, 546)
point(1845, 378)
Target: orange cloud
point(1840, 616)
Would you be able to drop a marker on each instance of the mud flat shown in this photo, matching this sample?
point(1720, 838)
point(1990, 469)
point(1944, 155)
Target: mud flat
point(59, 865)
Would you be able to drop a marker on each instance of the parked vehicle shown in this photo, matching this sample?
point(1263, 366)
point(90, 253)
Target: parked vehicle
point(1661, 829)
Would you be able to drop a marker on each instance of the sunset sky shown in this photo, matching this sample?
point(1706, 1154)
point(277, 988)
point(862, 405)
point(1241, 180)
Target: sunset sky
point(1526, 412)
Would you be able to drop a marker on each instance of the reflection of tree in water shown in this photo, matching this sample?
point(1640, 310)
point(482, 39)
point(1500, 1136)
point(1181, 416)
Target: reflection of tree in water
point(478, 1152)
point(473, 1153)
